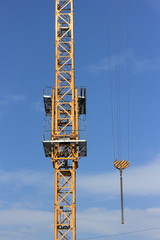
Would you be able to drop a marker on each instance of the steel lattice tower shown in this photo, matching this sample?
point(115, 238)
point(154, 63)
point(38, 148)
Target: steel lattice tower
point(63, 106)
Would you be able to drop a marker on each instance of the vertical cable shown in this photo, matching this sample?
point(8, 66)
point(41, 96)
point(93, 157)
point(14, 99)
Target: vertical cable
point(117, 79)
point(128, 79)
point(118, 73)
point(121, 189)
point(116, 82)
point(110, 85)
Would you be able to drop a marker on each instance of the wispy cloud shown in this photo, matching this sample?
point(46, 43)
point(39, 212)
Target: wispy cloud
point(154, 4)
point(16, 98)
point(102, 221)
point(140, 181)
point(32, 217)
point(107, 64)
point(7, 99)
point(92, 221)
point(145, 65)
point(38, 106)
point(25, 189)
point(2, 113)
point(22, 221)
point(25, 178)
point(135, 64)
point(25, 224)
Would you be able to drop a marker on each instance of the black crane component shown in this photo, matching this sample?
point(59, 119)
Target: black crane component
point(82, 101)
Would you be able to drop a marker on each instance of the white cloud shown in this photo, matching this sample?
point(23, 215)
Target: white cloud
point(107, 64)
point(38, 107)
point(140, 181)
point(90, 222)
point(135, 64)
point(8, 100)
point(155, 4)
point(25, 217)
point(26, 188)
point(146, 64)
point(23, 178)
point(25, 224)
point(143, 180)
point(2, 113)
point(101, 221)
point(12, 99)
point(15, 97)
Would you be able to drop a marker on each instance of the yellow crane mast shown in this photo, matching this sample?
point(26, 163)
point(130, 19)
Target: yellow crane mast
point(63, 106)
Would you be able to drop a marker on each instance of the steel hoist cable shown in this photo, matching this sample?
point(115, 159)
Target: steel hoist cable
point(115, 94)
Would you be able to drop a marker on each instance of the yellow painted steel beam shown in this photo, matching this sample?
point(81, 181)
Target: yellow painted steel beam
point(64, 124)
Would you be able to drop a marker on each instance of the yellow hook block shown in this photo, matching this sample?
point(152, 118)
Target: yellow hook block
point(121, 164)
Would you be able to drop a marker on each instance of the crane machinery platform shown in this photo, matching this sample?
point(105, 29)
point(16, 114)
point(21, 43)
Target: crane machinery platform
point(63, 142)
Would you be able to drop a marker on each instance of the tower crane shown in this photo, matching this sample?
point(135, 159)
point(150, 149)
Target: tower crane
point(64, 103)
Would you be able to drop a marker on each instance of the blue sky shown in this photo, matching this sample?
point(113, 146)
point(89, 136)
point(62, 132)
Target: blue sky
point(27, 66)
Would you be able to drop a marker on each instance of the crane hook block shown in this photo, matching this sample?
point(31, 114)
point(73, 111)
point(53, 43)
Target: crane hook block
point(121, 164)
